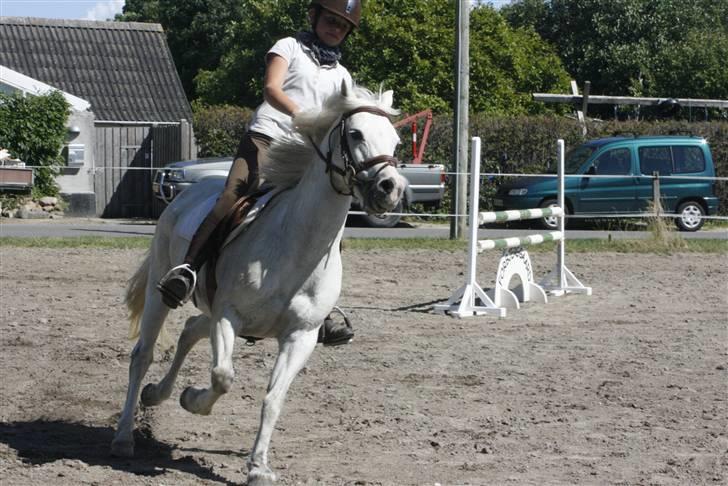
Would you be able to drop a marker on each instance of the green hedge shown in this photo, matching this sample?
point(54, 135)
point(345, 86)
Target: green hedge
point(510, 144)
point(219, 128)
point(528, 144)
point(33, 129)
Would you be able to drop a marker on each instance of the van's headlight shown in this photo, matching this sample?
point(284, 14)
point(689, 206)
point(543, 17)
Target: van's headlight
point(522, 191)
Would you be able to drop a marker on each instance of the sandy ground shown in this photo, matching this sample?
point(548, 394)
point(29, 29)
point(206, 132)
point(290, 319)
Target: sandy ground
point(627, 386)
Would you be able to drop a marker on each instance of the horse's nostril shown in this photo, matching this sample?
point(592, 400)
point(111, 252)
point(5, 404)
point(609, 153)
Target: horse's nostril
point(386, 185)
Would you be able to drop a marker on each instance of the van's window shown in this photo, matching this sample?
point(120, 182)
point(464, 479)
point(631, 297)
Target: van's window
point(688, 159)
point(613, 162)
point(576, 157)
point(655, 159)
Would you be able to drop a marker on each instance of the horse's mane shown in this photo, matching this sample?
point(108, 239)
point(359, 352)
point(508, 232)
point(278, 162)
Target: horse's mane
point(290, 156)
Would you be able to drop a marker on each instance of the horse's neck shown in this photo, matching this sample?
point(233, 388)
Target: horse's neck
point(314, 210)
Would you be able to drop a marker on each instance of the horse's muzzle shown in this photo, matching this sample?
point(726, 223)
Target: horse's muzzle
point(384, 195)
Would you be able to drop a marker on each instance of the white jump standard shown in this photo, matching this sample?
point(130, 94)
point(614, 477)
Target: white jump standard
point(515, 260)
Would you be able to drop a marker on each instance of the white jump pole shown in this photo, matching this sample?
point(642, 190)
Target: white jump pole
point(561, 281)
point(463, 301)
point(561, 201)
point(474, 204)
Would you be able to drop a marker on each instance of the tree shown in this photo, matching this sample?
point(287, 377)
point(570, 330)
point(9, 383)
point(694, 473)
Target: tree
point(406, 46)
point(139, 11)
point(196, 31)
point(630, 47)
point(238, 77)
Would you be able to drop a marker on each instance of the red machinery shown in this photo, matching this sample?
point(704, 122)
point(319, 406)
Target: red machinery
point(417, 154)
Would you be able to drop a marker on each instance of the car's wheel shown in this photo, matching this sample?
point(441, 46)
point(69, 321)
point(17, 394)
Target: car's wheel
point(388, 221)
point(690, 216)
point(552, 222)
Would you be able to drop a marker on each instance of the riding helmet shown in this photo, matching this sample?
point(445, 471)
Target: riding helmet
point(349, 9)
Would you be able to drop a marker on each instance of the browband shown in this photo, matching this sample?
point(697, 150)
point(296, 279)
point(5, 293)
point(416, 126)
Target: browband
point(366, 109)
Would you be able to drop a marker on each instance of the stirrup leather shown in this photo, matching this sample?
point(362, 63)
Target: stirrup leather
point(347, 322)
point(179, 270)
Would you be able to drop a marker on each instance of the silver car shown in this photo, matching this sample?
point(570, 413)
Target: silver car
point(426, 184)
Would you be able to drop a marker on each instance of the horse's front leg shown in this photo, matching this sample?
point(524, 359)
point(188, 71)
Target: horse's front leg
point(294, 351)
point(196, 328)
point(222, 338)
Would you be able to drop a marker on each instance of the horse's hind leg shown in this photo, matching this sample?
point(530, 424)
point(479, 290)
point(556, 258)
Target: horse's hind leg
point(294, 352)
point(196, 328)
point(141, 357)
point(222, 338)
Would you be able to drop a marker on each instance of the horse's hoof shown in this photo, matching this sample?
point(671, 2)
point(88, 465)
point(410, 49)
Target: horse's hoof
point(188, 401)
point(261, 478)
point(122, 448)
point(150, 397)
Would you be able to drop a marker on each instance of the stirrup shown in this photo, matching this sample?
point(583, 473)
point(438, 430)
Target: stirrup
point(175, 286)
point(345, 332)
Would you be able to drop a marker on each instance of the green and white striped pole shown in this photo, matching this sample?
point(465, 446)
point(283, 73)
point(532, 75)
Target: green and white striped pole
point(520, 241)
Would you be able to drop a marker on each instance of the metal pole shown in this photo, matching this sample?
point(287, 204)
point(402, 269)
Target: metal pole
point(460, 186)
point(656, 193)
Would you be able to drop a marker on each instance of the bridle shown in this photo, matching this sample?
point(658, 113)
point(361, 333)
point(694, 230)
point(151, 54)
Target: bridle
point(351, 167)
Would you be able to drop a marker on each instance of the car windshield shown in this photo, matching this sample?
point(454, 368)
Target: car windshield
point(577, 156)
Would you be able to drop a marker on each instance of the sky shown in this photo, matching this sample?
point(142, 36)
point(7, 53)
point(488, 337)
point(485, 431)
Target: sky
point(80, 9)
point(62, 9)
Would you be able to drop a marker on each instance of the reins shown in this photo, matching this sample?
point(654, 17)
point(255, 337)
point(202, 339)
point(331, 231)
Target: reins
point(351, 166)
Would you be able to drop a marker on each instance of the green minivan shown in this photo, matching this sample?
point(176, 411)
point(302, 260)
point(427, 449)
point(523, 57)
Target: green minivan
point(620, 163)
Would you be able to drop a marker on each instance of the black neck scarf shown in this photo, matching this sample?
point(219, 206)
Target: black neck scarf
point(325, 55)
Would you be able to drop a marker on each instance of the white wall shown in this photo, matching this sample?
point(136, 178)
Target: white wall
point(80, 178)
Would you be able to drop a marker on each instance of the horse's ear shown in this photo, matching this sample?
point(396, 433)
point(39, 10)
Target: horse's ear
point(388, 98)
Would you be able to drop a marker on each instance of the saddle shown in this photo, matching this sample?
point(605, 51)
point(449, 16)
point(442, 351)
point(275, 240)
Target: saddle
point(240, 216)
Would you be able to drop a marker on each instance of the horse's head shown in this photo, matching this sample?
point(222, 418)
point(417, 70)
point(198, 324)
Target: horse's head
point(358, 148)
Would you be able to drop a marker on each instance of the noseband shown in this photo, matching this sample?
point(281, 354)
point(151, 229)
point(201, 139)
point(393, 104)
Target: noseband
point(352, 167)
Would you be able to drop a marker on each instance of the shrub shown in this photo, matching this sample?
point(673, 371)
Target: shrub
point(219, 128)
point(33, 129)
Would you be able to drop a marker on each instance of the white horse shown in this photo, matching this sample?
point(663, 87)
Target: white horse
point(282, 276)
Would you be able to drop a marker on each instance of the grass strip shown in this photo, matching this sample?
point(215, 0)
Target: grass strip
point(116, 243)
point(572, 246)
point(649, 245)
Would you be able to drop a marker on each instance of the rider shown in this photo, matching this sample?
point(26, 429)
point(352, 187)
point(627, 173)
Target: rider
point(301, 72)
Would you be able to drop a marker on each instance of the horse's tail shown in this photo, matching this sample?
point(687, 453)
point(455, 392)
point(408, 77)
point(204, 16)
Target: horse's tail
point(135, 295)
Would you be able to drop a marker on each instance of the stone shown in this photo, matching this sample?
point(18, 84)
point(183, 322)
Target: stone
point(25, 213)
point(48, 201)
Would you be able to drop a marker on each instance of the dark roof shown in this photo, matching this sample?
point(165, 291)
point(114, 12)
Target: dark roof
point(124, 69)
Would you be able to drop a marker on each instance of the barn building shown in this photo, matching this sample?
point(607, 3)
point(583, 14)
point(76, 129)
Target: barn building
point(129, 110)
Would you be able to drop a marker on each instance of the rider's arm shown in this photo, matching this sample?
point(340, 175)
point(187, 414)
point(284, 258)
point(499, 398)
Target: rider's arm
point(275, 73)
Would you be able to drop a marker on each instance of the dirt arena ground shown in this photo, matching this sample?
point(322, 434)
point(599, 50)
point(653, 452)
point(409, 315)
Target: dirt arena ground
point(628, 386)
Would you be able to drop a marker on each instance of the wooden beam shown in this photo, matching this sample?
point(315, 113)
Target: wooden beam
point(579, 113)
point(627, 100)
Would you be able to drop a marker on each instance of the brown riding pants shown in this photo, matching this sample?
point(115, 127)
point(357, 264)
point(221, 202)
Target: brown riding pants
point(243, 180)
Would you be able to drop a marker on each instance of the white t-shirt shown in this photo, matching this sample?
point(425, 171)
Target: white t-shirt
point(307, 83)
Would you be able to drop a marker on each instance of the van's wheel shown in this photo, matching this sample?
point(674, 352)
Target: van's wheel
point(690, 216)
point(388, 221)
point(552, 222)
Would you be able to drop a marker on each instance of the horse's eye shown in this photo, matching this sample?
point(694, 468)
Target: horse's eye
point(356, 135)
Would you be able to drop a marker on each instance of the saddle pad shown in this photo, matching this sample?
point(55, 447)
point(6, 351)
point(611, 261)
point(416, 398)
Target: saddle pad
point(192, 219)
